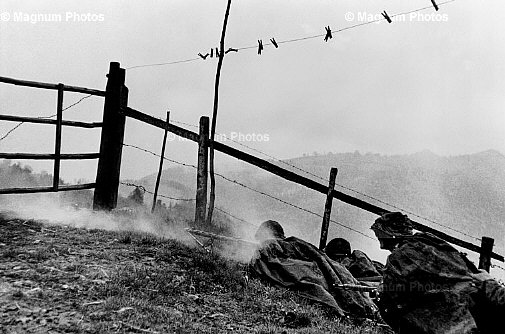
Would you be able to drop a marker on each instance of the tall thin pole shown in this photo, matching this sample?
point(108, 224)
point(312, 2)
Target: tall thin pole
point(327, 209)
point(212, 196)
point(202, 171)
point(161, 163)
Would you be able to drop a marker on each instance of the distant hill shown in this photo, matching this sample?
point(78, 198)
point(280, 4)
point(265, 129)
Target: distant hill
point(457, 193)
point(16, 175)
point(465, 193)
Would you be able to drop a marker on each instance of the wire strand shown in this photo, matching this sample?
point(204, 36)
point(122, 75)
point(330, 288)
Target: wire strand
point(254, 190)
point(163, 64)
point(296, 39)
point(129, 184)
point(341, 185)
point(44, 117)
point(497, 266)
point(235, 217)
point(287, 203)
point(290, 204)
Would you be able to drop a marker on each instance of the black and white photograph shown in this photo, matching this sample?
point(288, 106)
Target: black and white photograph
point(252, 166)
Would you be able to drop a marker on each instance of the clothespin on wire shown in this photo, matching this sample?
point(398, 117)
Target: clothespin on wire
point(386, 16)
point(211, 52)
point(274, 42)
point(203, 57)
point(231, 50)
point(217, 52)
point(434, 4)
point(260, 46)
point(328, 34)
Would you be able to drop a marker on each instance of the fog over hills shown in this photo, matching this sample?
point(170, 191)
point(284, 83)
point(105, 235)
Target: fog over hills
point(457, 193)
point(463, 193)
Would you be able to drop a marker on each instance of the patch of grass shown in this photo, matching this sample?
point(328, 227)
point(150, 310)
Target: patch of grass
point(126, 282)
point(125, 237)
point(212, 267)
point(147, 239)
point(10, 253)
point(76, 267)
point(41, 255)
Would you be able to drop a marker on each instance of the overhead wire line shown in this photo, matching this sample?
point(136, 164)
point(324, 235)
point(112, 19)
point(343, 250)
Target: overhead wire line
point(163, 64)
point(297, 39)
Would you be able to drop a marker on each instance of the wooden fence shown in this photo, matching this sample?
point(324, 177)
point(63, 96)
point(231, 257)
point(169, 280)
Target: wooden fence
point(116, 110)
point(57, 156)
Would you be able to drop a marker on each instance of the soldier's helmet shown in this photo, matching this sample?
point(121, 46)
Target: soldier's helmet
point(338, 248)
point(269, 229)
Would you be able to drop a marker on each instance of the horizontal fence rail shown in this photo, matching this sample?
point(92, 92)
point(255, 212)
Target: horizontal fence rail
point(47, 189)
point(49, 156)
point(13, 118)
point(45, 85)
point(293, 177)
point(181, 132)
point(57, 156)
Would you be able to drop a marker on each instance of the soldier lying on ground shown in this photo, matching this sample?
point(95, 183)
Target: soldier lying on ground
point(357, 262)
point(300, 266)
point(430, 287)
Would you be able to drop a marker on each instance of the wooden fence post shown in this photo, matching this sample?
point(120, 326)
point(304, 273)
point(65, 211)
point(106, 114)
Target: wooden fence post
point(485, 253)
point(111, 142)
point(57, 142)
point(327, 209)
point(201, 176)
point(162, 157)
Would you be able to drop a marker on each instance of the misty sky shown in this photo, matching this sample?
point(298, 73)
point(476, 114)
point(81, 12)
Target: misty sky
point(431, 82)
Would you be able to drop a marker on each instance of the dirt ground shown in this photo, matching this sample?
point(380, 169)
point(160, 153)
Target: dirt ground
point(58, 279)
point(50, 283)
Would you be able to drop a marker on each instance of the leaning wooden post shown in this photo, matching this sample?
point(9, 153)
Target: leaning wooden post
point(57, 142)
point(162, 157)
point(485, 253)
point(327, 209)
point(111, 142)
point(201, 176)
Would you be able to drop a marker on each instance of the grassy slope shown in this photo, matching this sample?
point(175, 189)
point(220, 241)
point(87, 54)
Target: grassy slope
point(57, 279)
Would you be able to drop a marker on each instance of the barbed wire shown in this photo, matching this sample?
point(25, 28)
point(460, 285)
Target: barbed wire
point(159, 156)
point(293, 40)
point(255, 190)
point(130, 184)
point(187, 199)
point(235, 217)
point(290, 204)
point(497, 266)
point(340, 185)
point(271, 196)
point(184, 123)
point(45, 117)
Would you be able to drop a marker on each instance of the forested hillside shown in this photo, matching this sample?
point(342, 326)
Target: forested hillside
point(461, 193)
